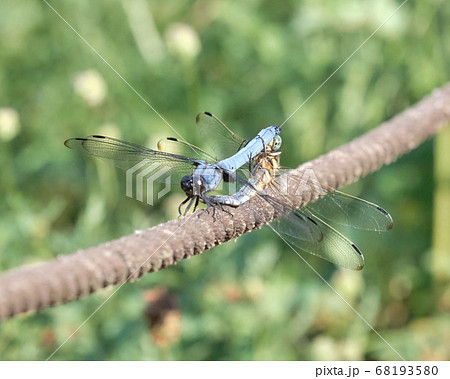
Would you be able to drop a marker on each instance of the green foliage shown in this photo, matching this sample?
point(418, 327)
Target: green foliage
point(252, 63)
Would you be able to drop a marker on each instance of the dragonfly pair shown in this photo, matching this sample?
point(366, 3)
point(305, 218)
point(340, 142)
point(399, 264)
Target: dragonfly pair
point(200, 173)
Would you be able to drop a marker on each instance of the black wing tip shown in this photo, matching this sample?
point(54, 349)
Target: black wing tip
point(386, 213)
point(98, 136)
point(197, 119)
point(356, 249)
point(310, 219)
point(361, 266)
point(68, 141)
point(171, 139)
point(382, 210)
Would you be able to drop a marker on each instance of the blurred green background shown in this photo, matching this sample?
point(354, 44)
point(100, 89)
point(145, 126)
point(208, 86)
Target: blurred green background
point(251, 63)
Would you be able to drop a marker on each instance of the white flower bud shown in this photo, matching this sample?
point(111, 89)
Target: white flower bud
point(90, 86)
point(9, 123)
point(182, 41)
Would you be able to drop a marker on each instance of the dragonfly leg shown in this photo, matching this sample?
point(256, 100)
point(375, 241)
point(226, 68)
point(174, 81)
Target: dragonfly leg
point(252, 166)
point(256, 168)
point(181, 204)
point(197, 199)
point(214, 213)
point(244, 142)
point(211, 204)
point(224, 209)
point(265, 146)
point(193, 199)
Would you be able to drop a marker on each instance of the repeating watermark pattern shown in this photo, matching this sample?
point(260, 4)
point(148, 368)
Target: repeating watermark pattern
point(141, 178)
point(139, 172)
point(299, 183)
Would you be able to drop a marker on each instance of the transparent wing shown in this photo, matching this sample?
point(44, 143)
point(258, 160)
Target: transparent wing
point(127, 155)
point(340, 208)
point(178, 147)
point(343, 209)
point(222, 141)
point(298, 227)
point(312, 235)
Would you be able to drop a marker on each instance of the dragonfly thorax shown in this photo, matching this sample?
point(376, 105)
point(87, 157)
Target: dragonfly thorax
point(204, 179)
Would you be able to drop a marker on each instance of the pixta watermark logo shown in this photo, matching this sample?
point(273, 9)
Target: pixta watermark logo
point(141, 178)
point(142, 175)
point(299, 183)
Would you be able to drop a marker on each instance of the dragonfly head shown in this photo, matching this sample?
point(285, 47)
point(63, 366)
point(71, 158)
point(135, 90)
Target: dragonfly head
point(187, 185)
point(192, 185)
point(276, 143)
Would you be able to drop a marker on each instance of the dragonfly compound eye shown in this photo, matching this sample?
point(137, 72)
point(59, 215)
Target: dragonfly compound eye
point(276, 143)
point(187, 185)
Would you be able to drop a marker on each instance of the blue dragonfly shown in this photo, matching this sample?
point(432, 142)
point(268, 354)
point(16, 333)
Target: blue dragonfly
point(196, 171)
